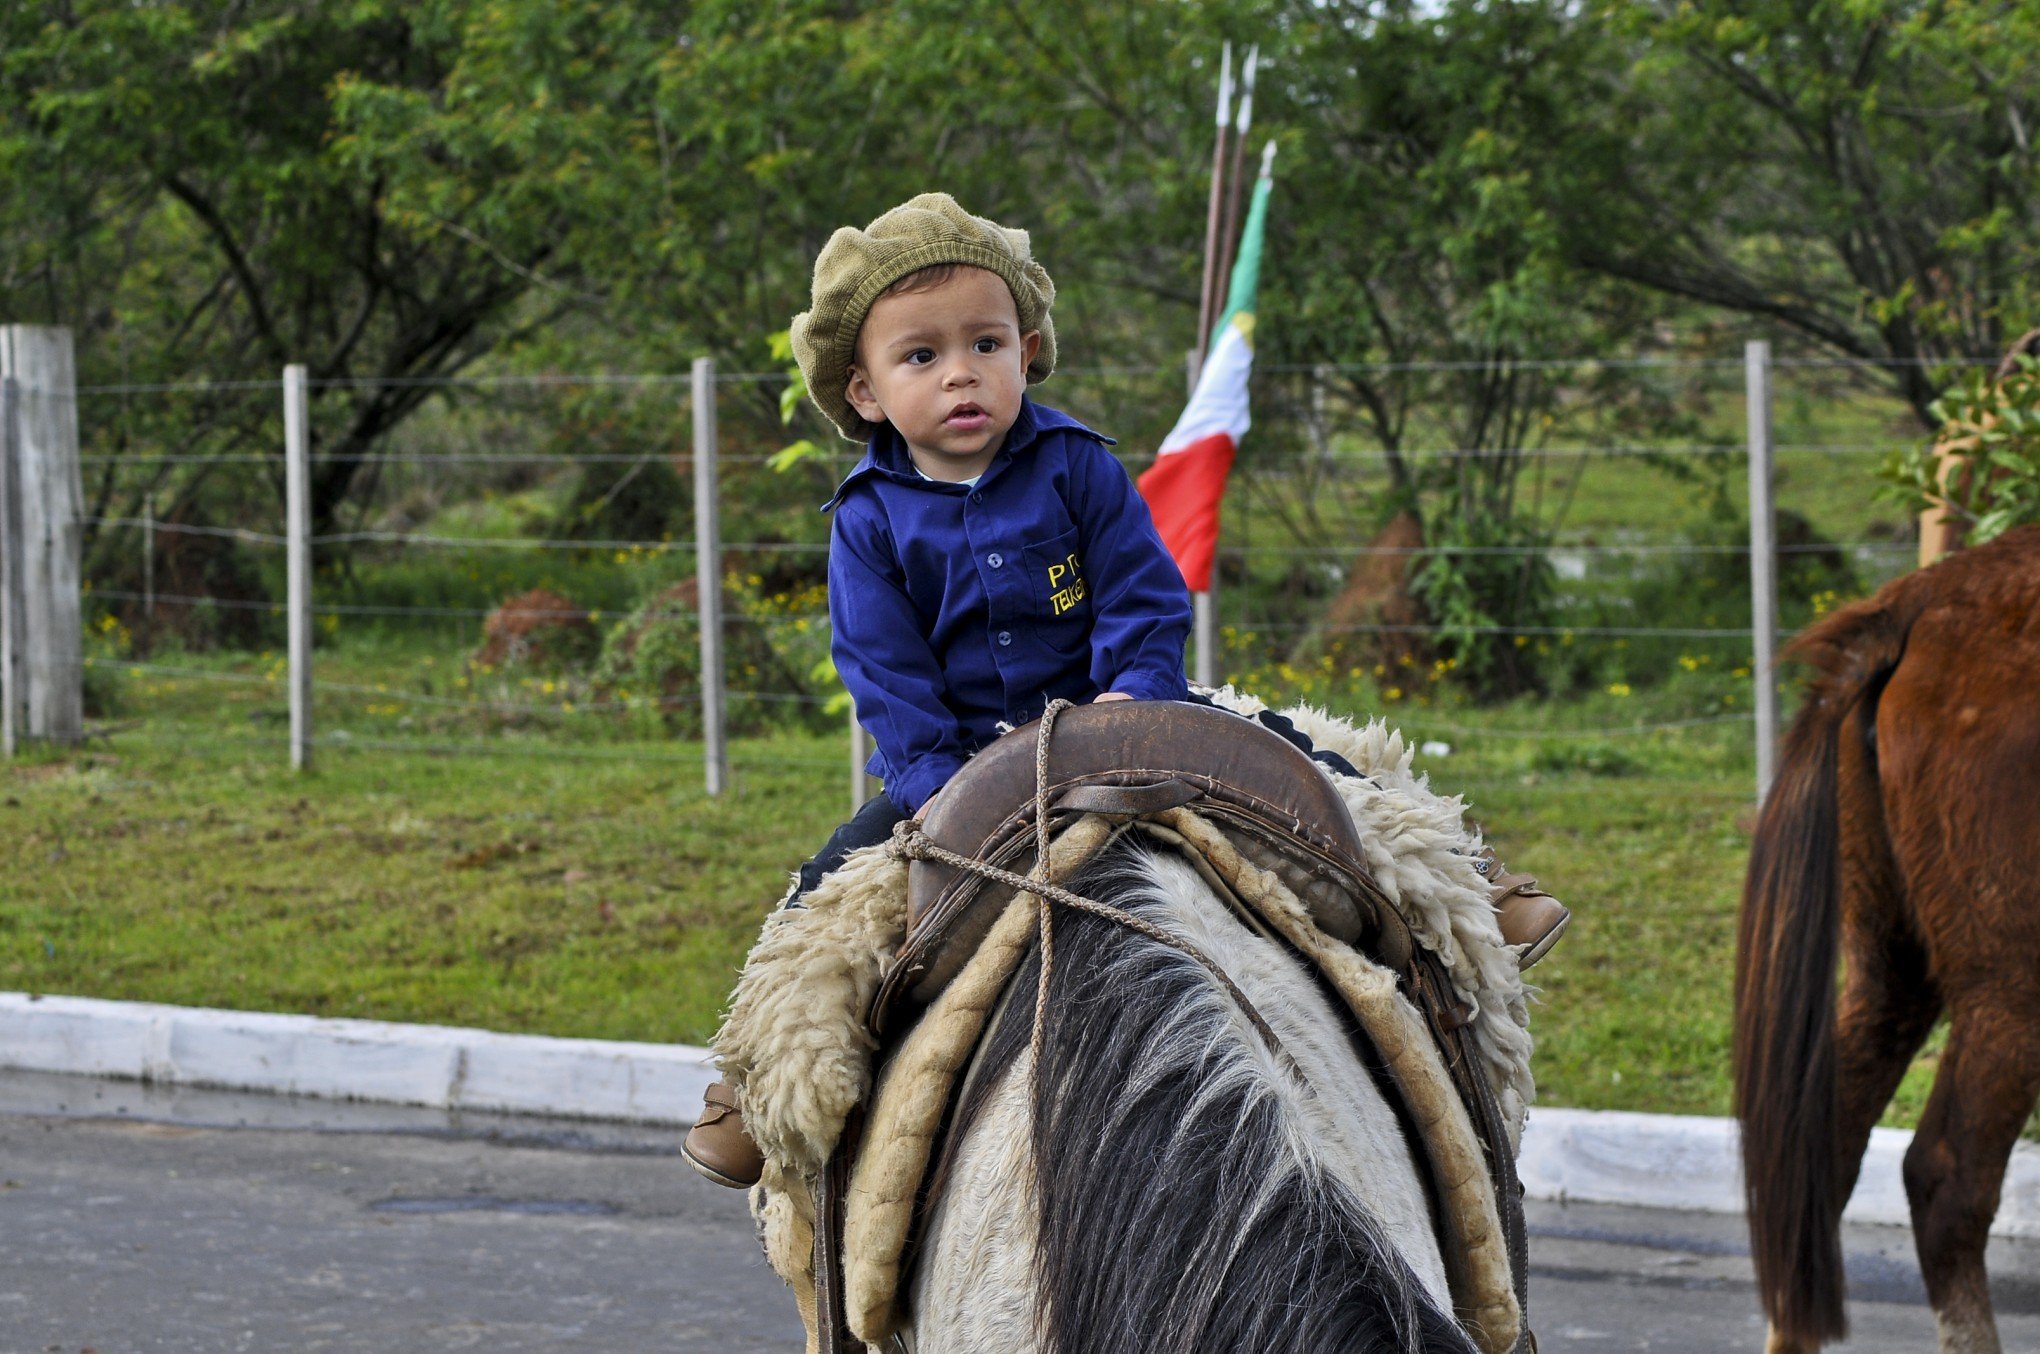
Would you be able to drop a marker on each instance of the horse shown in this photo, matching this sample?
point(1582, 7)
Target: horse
point(1149, 1171)
point(1249, 1071)
point(1896, 835)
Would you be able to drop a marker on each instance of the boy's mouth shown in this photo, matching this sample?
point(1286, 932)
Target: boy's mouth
point(966, 418)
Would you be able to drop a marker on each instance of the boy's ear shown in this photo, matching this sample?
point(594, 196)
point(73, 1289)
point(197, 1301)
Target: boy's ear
point(1030, 346)
point(858, 391)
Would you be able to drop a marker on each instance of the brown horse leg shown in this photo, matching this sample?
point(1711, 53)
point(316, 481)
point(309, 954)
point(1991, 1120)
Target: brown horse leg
point(1986, 1087)
point(1886, 1014)
point(1888, 1001)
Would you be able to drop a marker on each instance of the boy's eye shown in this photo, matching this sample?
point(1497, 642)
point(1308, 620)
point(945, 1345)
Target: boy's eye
point(987, 345)
point(920, 357)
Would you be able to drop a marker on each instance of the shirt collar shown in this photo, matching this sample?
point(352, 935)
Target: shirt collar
point(886, 454)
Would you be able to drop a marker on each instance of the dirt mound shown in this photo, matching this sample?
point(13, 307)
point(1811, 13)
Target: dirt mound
point(1375, 618)
point(539, 628)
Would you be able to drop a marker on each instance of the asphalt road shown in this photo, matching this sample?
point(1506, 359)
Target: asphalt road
point(134, 1220)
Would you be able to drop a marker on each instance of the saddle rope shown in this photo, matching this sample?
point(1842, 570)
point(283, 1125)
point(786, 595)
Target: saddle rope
point(911, 842)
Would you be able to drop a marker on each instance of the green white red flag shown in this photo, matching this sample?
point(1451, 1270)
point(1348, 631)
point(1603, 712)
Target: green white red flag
point(1184, 486)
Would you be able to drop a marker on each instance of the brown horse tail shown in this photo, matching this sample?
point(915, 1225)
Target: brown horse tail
point(1785, 976)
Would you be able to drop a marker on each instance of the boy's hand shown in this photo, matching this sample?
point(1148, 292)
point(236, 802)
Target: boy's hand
point(1104, 696)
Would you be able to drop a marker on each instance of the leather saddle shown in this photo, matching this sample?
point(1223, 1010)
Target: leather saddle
point(1125, 760)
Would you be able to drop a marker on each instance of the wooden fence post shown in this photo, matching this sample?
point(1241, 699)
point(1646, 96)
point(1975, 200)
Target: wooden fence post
point(149, 566)
point(43, 632)
point(1763, 561)
point(297, 547)
point(708, 578)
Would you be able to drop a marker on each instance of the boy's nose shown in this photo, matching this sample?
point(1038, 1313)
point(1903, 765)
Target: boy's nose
point(959, 374)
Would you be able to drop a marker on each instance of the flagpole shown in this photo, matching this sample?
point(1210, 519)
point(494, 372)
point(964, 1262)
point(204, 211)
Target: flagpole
point(1203, 608)
point(1229, 237)
point(1207, 300)
point(1203, 615)
point(1204, 605)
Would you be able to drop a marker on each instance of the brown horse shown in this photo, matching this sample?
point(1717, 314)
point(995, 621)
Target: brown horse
point(1902, 828)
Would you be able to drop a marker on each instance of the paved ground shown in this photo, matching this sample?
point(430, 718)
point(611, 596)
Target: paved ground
point(152, 1222)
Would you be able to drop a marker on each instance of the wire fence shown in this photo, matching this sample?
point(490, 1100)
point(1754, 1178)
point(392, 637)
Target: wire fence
point(514, 569)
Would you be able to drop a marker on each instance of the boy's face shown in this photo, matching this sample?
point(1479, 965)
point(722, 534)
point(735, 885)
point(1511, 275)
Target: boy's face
point(946, 366)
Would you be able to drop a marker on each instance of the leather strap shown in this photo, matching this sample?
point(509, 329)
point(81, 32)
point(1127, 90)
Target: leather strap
point(1501, 885)
point(1431, 990)
point(832, 1317)
point(1127, 801)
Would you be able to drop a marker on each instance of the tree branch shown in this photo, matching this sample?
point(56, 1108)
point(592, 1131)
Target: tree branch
point(244, 273)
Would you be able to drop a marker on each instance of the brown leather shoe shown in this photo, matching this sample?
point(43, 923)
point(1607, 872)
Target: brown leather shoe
point(1531, 919)
point(718, 1146)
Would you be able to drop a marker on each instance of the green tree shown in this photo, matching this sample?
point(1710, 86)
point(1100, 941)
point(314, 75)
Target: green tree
point(1861, 175)
point(385, 192)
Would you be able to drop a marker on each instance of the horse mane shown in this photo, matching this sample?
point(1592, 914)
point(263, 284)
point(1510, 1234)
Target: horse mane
point(1159, 1136)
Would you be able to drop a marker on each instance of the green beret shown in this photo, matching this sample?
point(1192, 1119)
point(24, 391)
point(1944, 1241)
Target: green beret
point(856, 266)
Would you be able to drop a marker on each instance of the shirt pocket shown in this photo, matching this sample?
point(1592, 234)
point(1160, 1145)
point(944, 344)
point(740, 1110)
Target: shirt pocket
point(1058, 591)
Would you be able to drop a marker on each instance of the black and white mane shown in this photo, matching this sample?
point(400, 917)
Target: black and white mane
point(1168, 1181)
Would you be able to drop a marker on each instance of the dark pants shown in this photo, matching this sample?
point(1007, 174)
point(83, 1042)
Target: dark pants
point(875, 821)
point(872, 824)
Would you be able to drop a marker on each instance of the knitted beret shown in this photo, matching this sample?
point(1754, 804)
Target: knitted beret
point(855, 266)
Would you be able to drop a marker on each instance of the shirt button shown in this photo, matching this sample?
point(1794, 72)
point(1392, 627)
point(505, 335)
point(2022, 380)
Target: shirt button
point(1005, 638)
point(996, 560)
point(977, 495)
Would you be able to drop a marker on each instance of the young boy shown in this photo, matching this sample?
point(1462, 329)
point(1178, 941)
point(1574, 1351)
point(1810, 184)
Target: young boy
point(988, 554)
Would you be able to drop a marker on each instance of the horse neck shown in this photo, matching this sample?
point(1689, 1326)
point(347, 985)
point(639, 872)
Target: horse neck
point(1169, 1180)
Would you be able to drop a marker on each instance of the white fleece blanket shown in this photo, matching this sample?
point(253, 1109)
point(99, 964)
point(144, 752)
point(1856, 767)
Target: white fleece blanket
point(1422, 853)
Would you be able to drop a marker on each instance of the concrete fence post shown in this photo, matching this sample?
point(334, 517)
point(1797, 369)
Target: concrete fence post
point(708, 570)
point(297, 518)
point(860, 753)
point(1763, 561)
point(13, 600)
point(42, 659)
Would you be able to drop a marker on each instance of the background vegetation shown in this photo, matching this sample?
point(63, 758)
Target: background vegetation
point(1515, 250)
point(399, 193)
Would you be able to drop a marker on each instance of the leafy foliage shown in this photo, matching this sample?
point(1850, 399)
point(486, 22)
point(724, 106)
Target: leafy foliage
point(1478, 585)
point(777, 659)
point(1862, 175)
point(397, 194)
point(1983, 467)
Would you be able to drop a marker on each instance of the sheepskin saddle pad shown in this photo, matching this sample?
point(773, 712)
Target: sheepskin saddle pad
point(1370, 879)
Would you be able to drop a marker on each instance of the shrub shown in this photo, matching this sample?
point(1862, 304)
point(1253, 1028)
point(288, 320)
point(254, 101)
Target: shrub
point(1983, 467)
point(775, 657)
point(1476, 586)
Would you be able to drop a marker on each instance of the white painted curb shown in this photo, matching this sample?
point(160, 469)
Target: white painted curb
point(433, 1065)
point(1582, 1156)
point(1690, 1162)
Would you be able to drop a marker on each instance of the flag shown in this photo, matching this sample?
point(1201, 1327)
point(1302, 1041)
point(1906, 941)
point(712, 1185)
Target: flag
point(1184, 485)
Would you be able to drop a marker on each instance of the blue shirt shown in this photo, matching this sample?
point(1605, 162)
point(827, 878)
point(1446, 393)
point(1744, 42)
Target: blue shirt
point(956, 608)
